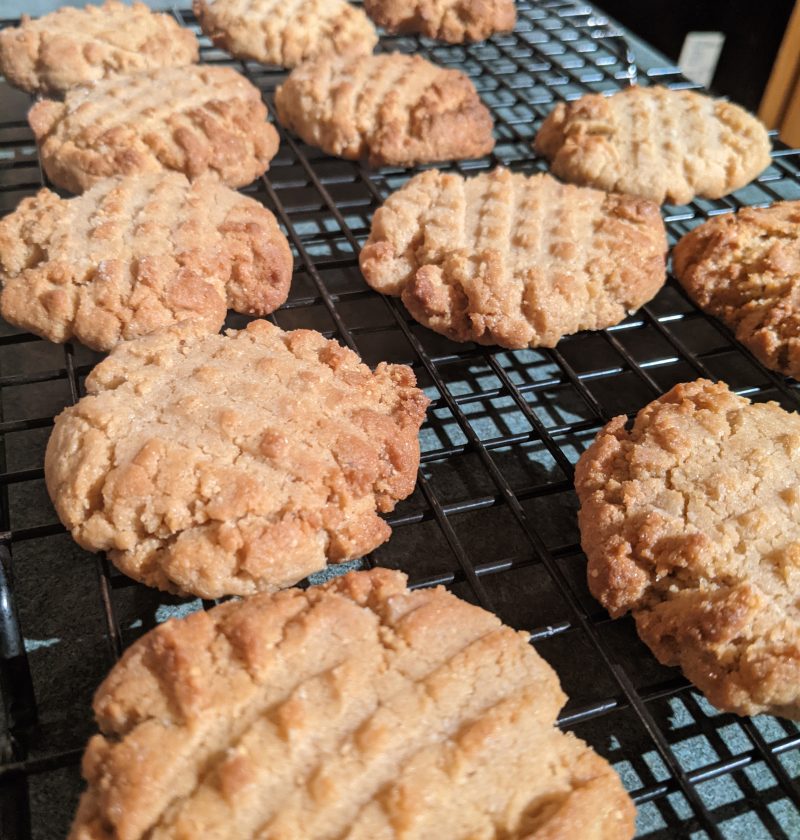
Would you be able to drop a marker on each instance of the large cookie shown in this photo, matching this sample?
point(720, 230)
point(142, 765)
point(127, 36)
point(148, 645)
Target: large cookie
point(454, 21)
point(662, 144)
point(78, 46)
point(286, 34)
point(228, 464)
point(392, 108)
point(745, 270)
point(356, 710)
point(508, 259)
point(137, 253)
point(191, 119)
point(691, 521)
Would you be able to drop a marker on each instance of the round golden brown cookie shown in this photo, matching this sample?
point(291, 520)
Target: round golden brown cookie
point(357, 710)
point(195, 120)
point(391, 108)
point(229, 464)
point(78, 46)
point(454, 21)
point(658, 143)
point(286, 34)
point(136, 253)
point(514, 260)
point(744, 268)
point(691, 521)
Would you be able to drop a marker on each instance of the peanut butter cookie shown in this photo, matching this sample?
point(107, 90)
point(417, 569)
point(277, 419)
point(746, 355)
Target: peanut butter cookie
point(392, 108)
point(662, 144)
point(73, 47)
point(454, 21)
point(228, 464)
point(744, 268)
point(358, 710)
point(190, 119)
point(691, 521)
point(136, 253)
point(514, 260)
point(286, 34)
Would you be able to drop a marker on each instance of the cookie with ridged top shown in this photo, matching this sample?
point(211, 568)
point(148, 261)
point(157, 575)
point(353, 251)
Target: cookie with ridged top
point(690, 520)
point(71, 47)
point(392, 108)
point(357, 710)
point(230, 464)
point(195, 120)
point(744, 268)
point(515, 260)
point(454, 21)
point(137, 253)
point(658, 143)
point(286, 34)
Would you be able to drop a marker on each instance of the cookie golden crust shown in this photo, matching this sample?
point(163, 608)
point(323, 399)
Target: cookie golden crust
point(454, 21)
point(195, 120)
point(357, 709)
point(745, 270)
point(73, 47)
point(691, 521)
point(251, 460)
point(137, 253)
point(286, 34)
point(394, 109)
point(514, 260)
point(661, 144)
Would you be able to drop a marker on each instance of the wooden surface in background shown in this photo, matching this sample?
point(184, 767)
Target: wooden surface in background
point(780, 105)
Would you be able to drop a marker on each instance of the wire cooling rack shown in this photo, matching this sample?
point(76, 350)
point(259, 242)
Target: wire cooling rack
point(493, 514)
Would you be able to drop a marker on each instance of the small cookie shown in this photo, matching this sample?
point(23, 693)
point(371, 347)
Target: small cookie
point(71, 47)
point(286, 34)
point(745, 270)
point(250, 459)
point(662, 144)
point(691, 521)
point(514, 260)
point(357, 709)
point(395, 109)
point(191, 119)
point(454, 21)
point(137, 253)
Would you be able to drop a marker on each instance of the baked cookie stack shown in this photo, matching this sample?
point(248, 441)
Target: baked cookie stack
point(237, 464)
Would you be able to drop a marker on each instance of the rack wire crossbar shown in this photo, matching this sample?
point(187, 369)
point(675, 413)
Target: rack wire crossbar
point(493, 515)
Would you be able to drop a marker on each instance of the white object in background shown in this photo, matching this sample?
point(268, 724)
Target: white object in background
point(699, 56)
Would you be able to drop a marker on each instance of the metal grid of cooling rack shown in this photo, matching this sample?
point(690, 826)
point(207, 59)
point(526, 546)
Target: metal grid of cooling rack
point(493, 515)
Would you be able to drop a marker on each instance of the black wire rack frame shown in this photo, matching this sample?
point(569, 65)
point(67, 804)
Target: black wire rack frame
point(493, 514)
